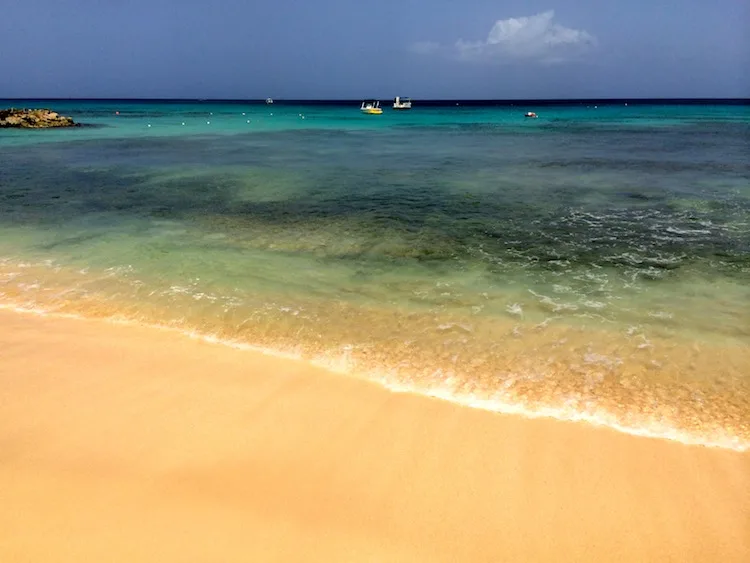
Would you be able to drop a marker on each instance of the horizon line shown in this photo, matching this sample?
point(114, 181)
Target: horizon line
point(420, 100)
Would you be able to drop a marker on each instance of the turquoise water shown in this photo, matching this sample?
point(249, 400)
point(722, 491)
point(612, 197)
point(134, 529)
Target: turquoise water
point(592, 263)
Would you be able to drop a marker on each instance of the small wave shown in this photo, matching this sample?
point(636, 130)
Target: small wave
point(661, 315)
point(551, 303)
point(571, 413)
point(677, 231)
point(593, 304)
point(451, 326)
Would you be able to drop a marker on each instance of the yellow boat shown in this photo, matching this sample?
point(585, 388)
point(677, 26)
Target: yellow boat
point(371, 107)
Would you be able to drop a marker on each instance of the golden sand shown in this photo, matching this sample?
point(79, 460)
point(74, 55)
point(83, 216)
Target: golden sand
point(127, 444)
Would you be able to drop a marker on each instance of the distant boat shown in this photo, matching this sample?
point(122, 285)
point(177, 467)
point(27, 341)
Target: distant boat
point(402, 103)
point(530, 114)
point(269, 100)
point(371, 107)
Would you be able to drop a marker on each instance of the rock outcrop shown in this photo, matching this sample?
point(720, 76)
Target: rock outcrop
point(33, 118)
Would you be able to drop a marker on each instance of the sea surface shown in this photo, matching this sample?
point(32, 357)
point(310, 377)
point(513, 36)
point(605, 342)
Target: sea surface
point(591, 264)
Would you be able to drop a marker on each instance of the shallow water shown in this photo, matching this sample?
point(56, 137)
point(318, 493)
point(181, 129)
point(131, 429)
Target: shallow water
point(590, 263)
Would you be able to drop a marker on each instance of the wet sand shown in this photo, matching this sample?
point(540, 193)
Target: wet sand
point(123, 444)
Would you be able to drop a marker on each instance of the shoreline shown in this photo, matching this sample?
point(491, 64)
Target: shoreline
point(127, 443)
point(493, 405)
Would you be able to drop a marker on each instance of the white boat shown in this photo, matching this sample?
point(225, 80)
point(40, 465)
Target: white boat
point(402, 103)
point(530, 114)
point(371, 107)
point(269, 100)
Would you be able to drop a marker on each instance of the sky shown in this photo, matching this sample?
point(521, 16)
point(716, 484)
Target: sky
point(337, 49)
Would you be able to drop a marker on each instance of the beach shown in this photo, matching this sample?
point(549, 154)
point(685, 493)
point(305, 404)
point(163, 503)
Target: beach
point(126, 443)
point(591, 264)
point(228, 333)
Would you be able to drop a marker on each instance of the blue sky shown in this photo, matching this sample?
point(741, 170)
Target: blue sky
point(344, 49)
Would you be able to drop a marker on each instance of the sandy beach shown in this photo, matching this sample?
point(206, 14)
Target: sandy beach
point(124, 444)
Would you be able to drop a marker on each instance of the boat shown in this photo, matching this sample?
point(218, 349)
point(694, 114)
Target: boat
point(269, 100)
point(371, 107)
point(402, 103)
point(530, 114)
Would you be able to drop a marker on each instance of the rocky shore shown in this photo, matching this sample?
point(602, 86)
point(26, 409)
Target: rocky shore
point(33, 118)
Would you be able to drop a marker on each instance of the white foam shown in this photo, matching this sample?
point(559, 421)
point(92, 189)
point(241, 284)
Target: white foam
point(570, 413)
point(515, 309)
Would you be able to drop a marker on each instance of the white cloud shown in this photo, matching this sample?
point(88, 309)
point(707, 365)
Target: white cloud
point(424, 47)
point(533, 38)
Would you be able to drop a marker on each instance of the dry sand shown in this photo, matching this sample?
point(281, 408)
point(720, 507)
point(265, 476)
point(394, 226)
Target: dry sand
point(128, 444)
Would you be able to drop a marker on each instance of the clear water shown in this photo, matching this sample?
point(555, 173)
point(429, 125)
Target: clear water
point(593, 263)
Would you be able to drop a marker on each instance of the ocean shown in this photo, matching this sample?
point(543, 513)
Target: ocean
point(591, 264)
